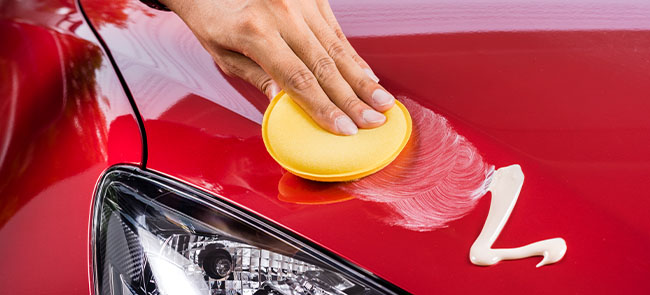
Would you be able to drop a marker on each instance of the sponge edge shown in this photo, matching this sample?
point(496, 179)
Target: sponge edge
point(303, 148)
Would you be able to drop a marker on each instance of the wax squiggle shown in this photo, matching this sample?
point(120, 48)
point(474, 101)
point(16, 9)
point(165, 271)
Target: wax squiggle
point(438, 178)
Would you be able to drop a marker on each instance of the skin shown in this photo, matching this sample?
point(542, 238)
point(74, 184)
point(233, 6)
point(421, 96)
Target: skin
point(295, 45)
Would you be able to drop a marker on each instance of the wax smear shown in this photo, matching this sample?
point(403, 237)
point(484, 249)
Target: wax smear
point(439, 177)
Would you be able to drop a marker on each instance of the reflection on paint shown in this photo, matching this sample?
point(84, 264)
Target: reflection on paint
point(293, 189)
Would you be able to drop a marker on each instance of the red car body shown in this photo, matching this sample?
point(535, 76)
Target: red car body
point(563, 89)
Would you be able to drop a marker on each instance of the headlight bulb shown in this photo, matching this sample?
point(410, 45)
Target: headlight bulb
point(216, 262)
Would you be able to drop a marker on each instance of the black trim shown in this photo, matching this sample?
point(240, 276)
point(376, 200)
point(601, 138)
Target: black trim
point(235, 211)
point(125, 87)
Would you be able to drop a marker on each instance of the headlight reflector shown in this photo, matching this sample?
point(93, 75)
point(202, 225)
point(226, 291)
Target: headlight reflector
point(152, 235)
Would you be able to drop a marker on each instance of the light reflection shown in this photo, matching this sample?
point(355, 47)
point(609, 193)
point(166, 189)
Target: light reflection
point(168, 267)
point(365, 18)
point(293, 189)
point(51, 103)
point(8, 109)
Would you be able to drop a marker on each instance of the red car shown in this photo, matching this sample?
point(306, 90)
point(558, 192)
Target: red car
point(129, 164)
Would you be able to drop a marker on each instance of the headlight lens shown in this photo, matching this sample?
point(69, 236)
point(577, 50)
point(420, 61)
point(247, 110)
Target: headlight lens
point(154, 236)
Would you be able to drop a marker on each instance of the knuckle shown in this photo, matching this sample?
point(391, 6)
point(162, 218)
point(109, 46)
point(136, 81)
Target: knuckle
point(301, 79)
point(248, 49)
point(250, 24)
point(365, 83)
point(336, 50)
point(324, 111)
point(351, 103)
point(228, 67)
point(232, 68)
point(210, 33)
point(339, 33)
point(251, 45)
point(355, 56)
point(227, 70)
point(264, 83)
point(360, 60)
point(283, 5)
point(324, 68)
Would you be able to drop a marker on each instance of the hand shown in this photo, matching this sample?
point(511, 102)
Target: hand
point(298, 44)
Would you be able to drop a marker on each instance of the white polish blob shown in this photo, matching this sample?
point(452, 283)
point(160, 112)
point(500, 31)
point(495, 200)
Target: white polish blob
point(505, 187)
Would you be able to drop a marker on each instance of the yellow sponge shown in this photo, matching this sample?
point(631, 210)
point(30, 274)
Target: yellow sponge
point(302, 147)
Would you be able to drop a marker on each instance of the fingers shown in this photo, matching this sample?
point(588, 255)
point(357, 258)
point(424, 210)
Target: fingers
point(308, 56)
point(238, 65)
point(307, 47)
point(279, 60)
point(362, 84)
point(328, 15)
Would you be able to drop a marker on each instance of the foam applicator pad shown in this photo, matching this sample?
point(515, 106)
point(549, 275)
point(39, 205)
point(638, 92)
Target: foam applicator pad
point(303, 148)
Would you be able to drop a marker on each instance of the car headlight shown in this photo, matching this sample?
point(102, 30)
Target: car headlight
point(152, 235)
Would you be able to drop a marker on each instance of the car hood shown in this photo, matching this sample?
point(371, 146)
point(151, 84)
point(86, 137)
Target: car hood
point(559, 88)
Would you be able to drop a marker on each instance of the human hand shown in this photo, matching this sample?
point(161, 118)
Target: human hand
point(298, 44)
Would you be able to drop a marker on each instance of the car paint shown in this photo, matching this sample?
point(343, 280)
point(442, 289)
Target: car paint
point(64, 119)
point(560, 88)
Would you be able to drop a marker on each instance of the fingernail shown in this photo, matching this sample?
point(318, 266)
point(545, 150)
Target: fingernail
point(372, 116)
point(382, 97)
point(372, 75)
point(274, 89)
point(346, 126)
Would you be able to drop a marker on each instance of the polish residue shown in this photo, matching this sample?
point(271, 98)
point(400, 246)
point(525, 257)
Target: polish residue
point(505, 187)
point(438, 178)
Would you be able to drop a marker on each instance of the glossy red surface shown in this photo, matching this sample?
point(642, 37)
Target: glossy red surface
point(561, 89)
point(64, 118)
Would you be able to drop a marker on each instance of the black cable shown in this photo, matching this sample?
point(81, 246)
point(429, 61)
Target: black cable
point(125, 87)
